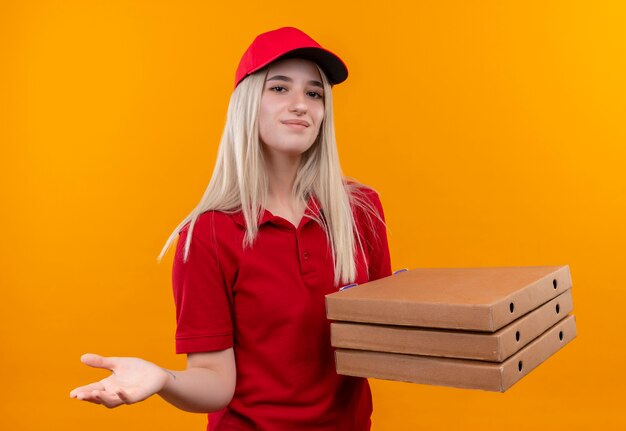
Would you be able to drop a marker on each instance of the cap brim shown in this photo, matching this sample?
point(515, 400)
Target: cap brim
point(335, 70)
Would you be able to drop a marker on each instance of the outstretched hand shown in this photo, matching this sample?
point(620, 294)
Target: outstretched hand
point(133, 380)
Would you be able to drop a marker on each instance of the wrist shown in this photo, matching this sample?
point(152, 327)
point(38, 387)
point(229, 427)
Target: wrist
point(170, 377)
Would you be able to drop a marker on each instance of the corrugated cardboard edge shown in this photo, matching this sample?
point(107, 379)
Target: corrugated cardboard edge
point(455, 316)
point(414, 341)
point(518, 304)
point(484, 346)
point(533, 324)
point(429, 370)
point(460, 373)
point(537, 352)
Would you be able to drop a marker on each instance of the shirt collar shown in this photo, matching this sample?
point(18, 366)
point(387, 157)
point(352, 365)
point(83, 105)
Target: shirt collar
point(311, 212)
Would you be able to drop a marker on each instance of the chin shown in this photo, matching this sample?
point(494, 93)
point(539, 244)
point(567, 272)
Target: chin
point(293, 150)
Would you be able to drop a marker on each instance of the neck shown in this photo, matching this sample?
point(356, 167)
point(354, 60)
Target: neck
point(281, 174)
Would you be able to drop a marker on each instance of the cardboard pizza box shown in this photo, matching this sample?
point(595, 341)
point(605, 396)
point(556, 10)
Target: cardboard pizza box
point(459, 373)
point(477, 299)
point(486, 346)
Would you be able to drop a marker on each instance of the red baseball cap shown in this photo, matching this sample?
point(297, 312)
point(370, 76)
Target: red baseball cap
point(289, 42)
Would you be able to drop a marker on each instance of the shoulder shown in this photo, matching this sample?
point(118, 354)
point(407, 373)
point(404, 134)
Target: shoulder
point(215, 237)
point(364, 199)
point(211, 227)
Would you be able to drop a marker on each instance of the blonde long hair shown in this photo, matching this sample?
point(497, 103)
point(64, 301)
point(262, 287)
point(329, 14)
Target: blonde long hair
point(239, 181)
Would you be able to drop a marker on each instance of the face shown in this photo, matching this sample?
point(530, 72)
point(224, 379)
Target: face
point(292, 107)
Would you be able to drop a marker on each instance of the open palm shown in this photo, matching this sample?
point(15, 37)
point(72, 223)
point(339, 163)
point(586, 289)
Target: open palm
point(133, 380)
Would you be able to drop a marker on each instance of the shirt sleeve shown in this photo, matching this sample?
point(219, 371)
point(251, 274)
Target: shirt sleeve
point(380, 259)
point(370, 219)
point(202, 297)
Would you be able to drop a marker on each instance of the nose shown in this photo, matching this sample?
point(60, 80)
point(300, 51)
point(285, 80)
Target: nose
point(298, 104)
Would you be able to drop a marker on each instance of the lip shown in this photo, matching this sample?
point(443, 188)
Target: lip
point(300, 123)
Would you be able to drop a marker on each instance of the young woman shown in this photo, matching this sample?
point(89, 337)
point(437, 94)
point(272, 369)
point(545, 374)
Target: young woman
point(277, 229)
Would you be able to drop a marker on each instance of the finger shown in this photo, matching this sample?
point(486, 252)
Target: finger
point(87, 396)
point(124, 396)
point(128, 398)
point(108, 399)
point(97, 361)
point(87, 388)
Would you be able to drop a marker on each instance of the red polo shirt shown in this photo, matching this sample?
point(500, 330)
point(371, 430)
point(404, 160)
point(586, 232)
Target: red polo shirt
point(267, 302)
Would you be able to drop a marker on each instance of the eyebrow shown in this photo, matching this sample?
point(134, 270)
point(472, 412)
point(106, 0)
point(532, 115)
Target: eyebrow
point(288, 79)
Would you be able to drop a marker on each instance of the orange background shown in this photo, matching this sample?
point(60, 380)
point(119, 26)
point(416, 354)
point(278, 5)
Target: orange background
point(494, 132)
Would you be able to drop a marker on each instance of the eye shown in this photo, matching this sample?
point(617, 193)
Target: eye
point(278, 89)
point(315, 95)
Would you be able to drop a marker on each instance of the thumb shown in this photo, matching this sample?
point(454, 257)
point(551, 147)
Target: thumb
point(97, 361)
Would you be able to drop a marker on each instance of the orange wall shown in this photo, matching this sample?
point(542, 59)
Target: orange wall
point(494, 131)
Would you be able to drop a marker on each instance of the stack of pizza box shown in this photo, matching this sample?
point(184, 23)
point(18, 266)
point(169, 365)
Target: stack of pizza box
point(475, 328)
